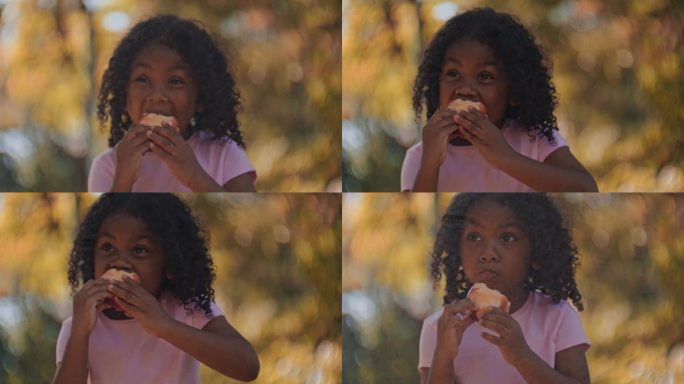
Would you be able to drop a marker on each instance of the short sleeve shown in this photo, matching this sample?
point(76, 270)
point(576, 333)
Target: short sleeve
point(546, 148)
point(102, 172)
point(62, 340)
point(236, 163)
point(428, 340)
point(570, 330)
point(200, 318)
point(409, 168)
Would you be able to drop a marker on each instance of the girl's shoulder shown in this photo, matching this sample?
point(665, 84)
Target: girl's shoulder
point(524, 138)
point(186, 313)
point(208, 139)
point(541, 303)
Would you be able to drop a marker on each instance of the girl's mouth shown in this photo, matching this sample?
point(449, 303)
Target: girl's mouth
point(487, 275)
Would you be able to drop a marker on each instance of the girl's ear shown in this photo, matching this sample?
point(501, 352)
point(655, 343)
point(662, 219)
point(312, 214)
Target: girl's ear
point(513, 103)
point(199, 107)
point(536, 265)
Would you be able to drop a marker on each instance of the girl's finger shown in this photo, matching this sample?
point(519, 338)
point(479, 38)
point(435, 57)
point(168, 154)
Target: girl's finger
point(127, 307)
point(123, 293)
point(494, 326)
point(468, 134)
point(169, 133)
point(160, 140)
point(491, 338)
point(159, 151)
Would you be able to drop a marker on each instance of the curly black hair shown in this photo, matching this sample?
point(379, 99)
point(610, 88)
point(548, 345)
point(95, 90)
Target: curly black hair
point(552, 246)
point(217, 90)
point(526, 68)
point(183, 242)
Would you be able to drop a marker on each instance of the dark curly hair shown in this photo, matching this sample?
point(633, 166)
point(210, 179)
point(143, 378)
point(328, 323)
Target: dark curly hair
point(217, 90)
point(525, 66)
point(182, 240)
point(552, 246)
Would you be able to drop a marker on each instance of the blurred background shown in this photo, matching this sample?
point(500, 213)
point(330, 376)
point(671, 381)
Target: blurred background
point(285, 57)
point(278, 280)
point(631, 279)
point(617, 68)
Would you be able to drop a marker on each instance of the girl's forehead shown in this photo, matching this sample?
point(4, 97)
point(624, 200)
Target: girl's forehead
point(159, 55)
point(489, 209)
point(125, 221)
point(470, 50)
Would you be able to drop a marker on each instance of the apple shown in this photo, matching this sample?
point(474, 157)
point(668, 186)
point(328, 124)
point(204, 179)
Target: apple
point(114, 274)
point(156, 120)
point(485, 297)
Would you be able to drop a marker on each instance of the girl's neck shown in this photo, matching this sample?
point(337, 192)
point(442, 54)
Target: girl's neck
point(517, 299)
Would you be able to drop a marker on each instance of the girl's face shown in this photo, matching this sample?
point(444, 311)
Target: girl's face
point(161, 82)
point(472, 72)
point(126, 243)
point(495, 249)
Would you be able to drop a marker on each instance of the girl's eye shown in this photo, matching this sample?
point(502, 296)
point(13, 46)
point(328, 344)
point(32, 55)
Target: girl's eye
point(473, 236)
point(140, 79)
point(139, 249)
point(106, 247)
point(508, 237)
point(486, 76)
point(176, 81)
point(452, 73)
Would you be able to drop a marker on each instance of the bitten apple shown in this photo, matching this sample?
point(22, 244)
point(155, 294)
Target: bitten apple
point(484, 297)
point(463, 105)
point(117, 275)
point(156, 120)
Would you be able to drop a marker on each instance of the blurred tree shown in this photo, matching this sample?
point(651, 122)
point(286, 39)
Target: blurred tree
point(278, 278)
point(616, 67)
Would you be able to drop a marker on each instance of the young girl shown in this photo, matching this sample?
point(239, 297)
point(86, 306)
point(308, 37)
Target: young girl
point(518, 245)
point(172, 67)
point(488, 57)
point(155, 330)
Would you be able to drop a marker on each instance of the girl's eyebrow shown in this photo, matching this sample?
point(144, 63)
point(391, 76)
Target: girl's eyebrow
point(493, 63)
point(514, 223)
point(179, 66)
point(144, 236)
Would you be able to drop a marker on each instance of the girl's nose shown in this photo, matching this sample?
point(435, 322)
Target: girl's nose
point(465, 90)
point(490, 253)
point(157, 94)
point(121, 261)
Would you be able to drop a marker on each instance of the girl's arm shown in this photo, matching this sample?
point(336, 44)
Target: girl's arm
point(560, 172)
point(240, 183)
point(427, 176)
point(436, 135)
point(73, 369)
point(218, 345)
point(571, 368)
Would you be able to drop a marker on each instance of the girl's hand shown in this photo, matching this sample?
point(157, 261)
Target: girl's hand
point(511, 341)
point(436, 134)
point(171, 147)
point(485, 136)
point(87, 302)
point(139, 304)
point(129, 153)
point(450, 327)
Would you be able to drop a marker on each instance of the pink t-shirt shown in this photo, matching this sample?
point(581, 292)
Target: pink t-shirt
point(548, 328)
point(465, 170)
point(120, 351)
point(222, 160)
